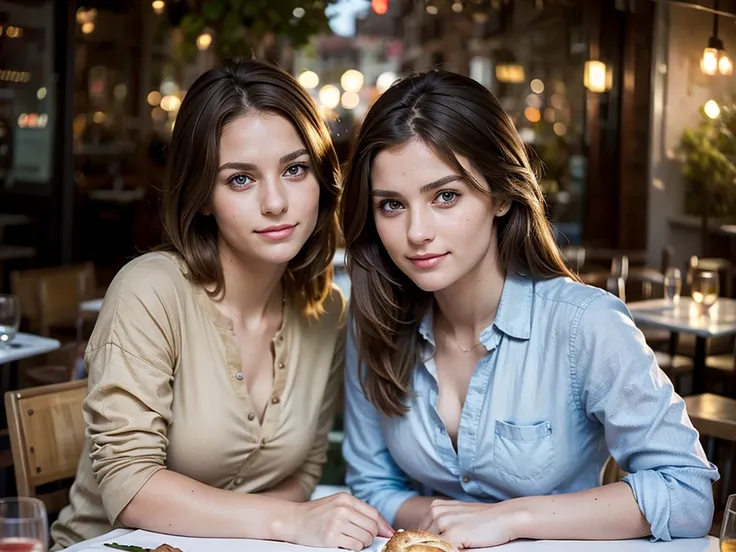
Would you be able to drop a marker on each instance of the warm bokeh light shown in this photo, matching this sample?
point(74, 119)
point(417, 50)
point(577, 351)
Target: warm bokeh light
point(532, 114)
point(158, 6)
point(298, 13)
point(432, 10)
point(204, 41)
point(99, 117)
point(559, 129)
point(350, 100)
point(457, 7)
point(154, 98)
point(351, 80)
point(309, 79)
point(329, 96)
point(709, 61)
point(88, 27)
point(712, 109)
point(725, 65)
point(41, 93)
point(385, 80)
point(170, 103)
point(537, 86)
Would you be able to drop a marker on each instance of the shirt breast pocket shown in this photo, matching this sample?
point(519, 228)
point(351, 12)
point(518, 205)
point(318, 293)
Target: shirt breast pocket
point(523, 452)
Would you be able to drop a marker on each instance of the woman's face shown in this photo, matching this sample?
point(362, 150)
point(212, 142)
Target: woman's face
point(436, 227)
point(266, 194)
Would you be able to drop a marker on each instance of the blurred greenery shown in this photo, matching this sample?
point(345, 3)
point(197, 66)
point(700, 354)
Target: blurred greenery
point(708, 155)
point(240, 27)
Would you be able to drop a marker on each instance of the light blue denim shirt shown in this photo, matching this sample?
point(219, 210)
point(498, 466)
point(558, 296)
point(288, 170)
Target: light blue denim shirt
point(568, 379)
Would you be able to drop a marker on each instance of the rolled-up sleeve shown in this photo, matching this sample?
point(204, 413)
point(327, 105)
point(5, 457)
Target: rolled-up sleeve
point(372, 474)
point(647, 429)
point(131, 363)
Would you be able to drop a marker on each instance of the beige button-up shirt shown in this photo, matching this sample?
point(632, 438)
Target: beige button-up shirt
point(166, 391)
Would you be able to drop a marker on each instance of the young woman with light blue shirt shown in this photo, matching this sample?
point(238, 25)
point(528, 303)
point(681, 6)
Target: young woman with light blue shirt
point(486, 387)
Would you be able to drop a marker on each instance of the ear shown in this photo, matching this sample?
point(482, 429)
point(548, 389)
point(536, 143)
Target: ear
point(205, 210)
point(503, 208)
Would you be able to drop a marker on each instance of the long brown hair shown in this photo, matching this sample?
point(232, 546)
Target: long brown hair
point(454, 115)
point(215, 99)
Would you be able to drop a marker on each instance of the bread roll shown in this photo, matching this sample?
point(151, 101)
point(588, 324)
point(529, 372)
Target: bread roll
point(417, 541)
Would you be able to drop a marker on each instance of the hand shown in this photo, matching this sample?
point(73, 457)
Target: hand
point(339, 521)
point(470, 524)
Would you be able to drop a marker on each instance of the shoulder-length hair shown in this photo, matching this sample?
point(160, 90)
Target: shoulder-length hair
point(455, 116)
point(215, 99)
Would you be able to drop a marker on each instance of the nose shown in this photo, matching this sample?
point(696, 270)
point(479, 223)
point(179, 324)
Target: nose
point(273, 199)
point(420, 229)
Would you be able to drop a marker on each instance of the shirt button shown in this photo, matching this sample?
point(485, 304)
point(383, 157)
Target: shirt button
point(251, 416)
point(275, 400)
point(282, 365)
point(238, 482)
point(239, 376)
point(466, 479)
point(281, 338)
point(263, 443)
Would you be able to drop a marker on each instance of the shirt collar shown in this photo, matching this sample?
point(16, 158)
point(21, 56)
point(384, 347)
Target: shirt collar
point(513, 317)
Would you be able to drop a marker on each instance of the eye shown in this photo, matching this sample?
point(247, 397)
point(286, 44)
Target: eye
point(391, 205)
point(239, 180)
point(447, 197)
point(297, 170)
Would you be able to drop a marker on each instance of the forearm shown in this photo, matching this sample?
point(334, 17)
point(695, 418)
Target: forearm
point(175, 504)
point(609, 512)
point(412, 512)
point(289, 489)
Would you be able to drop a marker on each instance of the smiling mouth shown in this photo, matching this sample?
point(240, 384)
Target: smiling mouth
point(428, 261)
point(280, 232)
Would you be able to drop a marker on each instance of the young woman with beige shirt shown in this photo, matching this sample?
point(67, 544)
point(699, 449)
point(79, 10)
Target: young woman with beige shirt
point(216, 362)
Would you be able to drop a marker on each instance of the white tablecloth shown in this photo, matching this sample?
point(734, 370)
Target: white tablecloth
point(152, 540)
point(26, 345)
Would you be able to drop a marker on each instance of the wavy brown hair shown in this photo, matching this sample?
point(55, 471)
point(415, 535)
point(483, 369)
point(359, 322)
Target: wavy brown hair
point(216, 98)
point(455, 116)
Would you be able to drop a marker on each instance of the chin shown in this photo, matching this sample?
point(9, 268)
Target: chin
point(278, 254)
point(430, 282)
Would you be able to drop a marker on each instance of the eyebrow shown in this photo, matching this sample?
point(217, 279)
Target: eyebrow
point(424, 189)
point(288, 158)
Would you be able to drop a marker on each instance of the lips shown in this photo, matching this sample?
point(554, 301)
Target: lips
point(277, 232)
point(427, 260)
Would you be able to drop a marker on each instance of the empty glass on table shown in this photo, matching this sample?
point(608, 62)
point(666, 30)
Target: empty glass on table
point(9, 318)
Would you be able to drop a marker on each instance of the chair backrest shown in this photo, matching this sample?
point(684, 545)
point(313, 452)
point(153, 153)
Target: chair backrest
point(611, 473)
point(25, 284)
point(47, 434)
point(59, 297)
point(606, 280)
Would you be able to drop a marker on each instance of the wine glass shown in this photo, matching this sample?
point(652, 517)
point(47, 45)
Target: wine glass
point(9, 318)
point(23, 525)
point(705, 289)
point(672, 285)
point(728, 526)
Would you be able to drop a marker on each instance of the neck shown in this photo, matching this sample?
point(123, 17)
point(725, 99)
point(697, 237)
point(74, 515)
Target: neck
point(469, 305)
point(252, 290)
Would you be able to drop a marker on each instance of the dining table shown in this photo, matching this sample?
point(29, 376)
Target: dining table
point(149, 540)
point(684, 316)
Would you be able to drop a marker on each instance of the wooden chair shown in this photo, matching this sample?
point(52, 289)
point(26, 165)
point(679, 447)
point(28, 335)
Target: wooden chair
point(60, 366)
point(26, 285)
point(47, 434)
point(611, 473)
point(714, 417)
point(59, 296)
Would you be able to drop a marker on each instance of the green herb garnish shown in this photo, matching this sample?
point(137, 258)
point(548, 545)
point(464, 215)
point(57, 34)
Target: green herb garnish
point(128, 547)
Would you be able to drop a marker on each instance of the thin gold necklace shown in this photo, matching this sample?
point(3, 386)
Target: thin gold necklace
point(454, 340)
